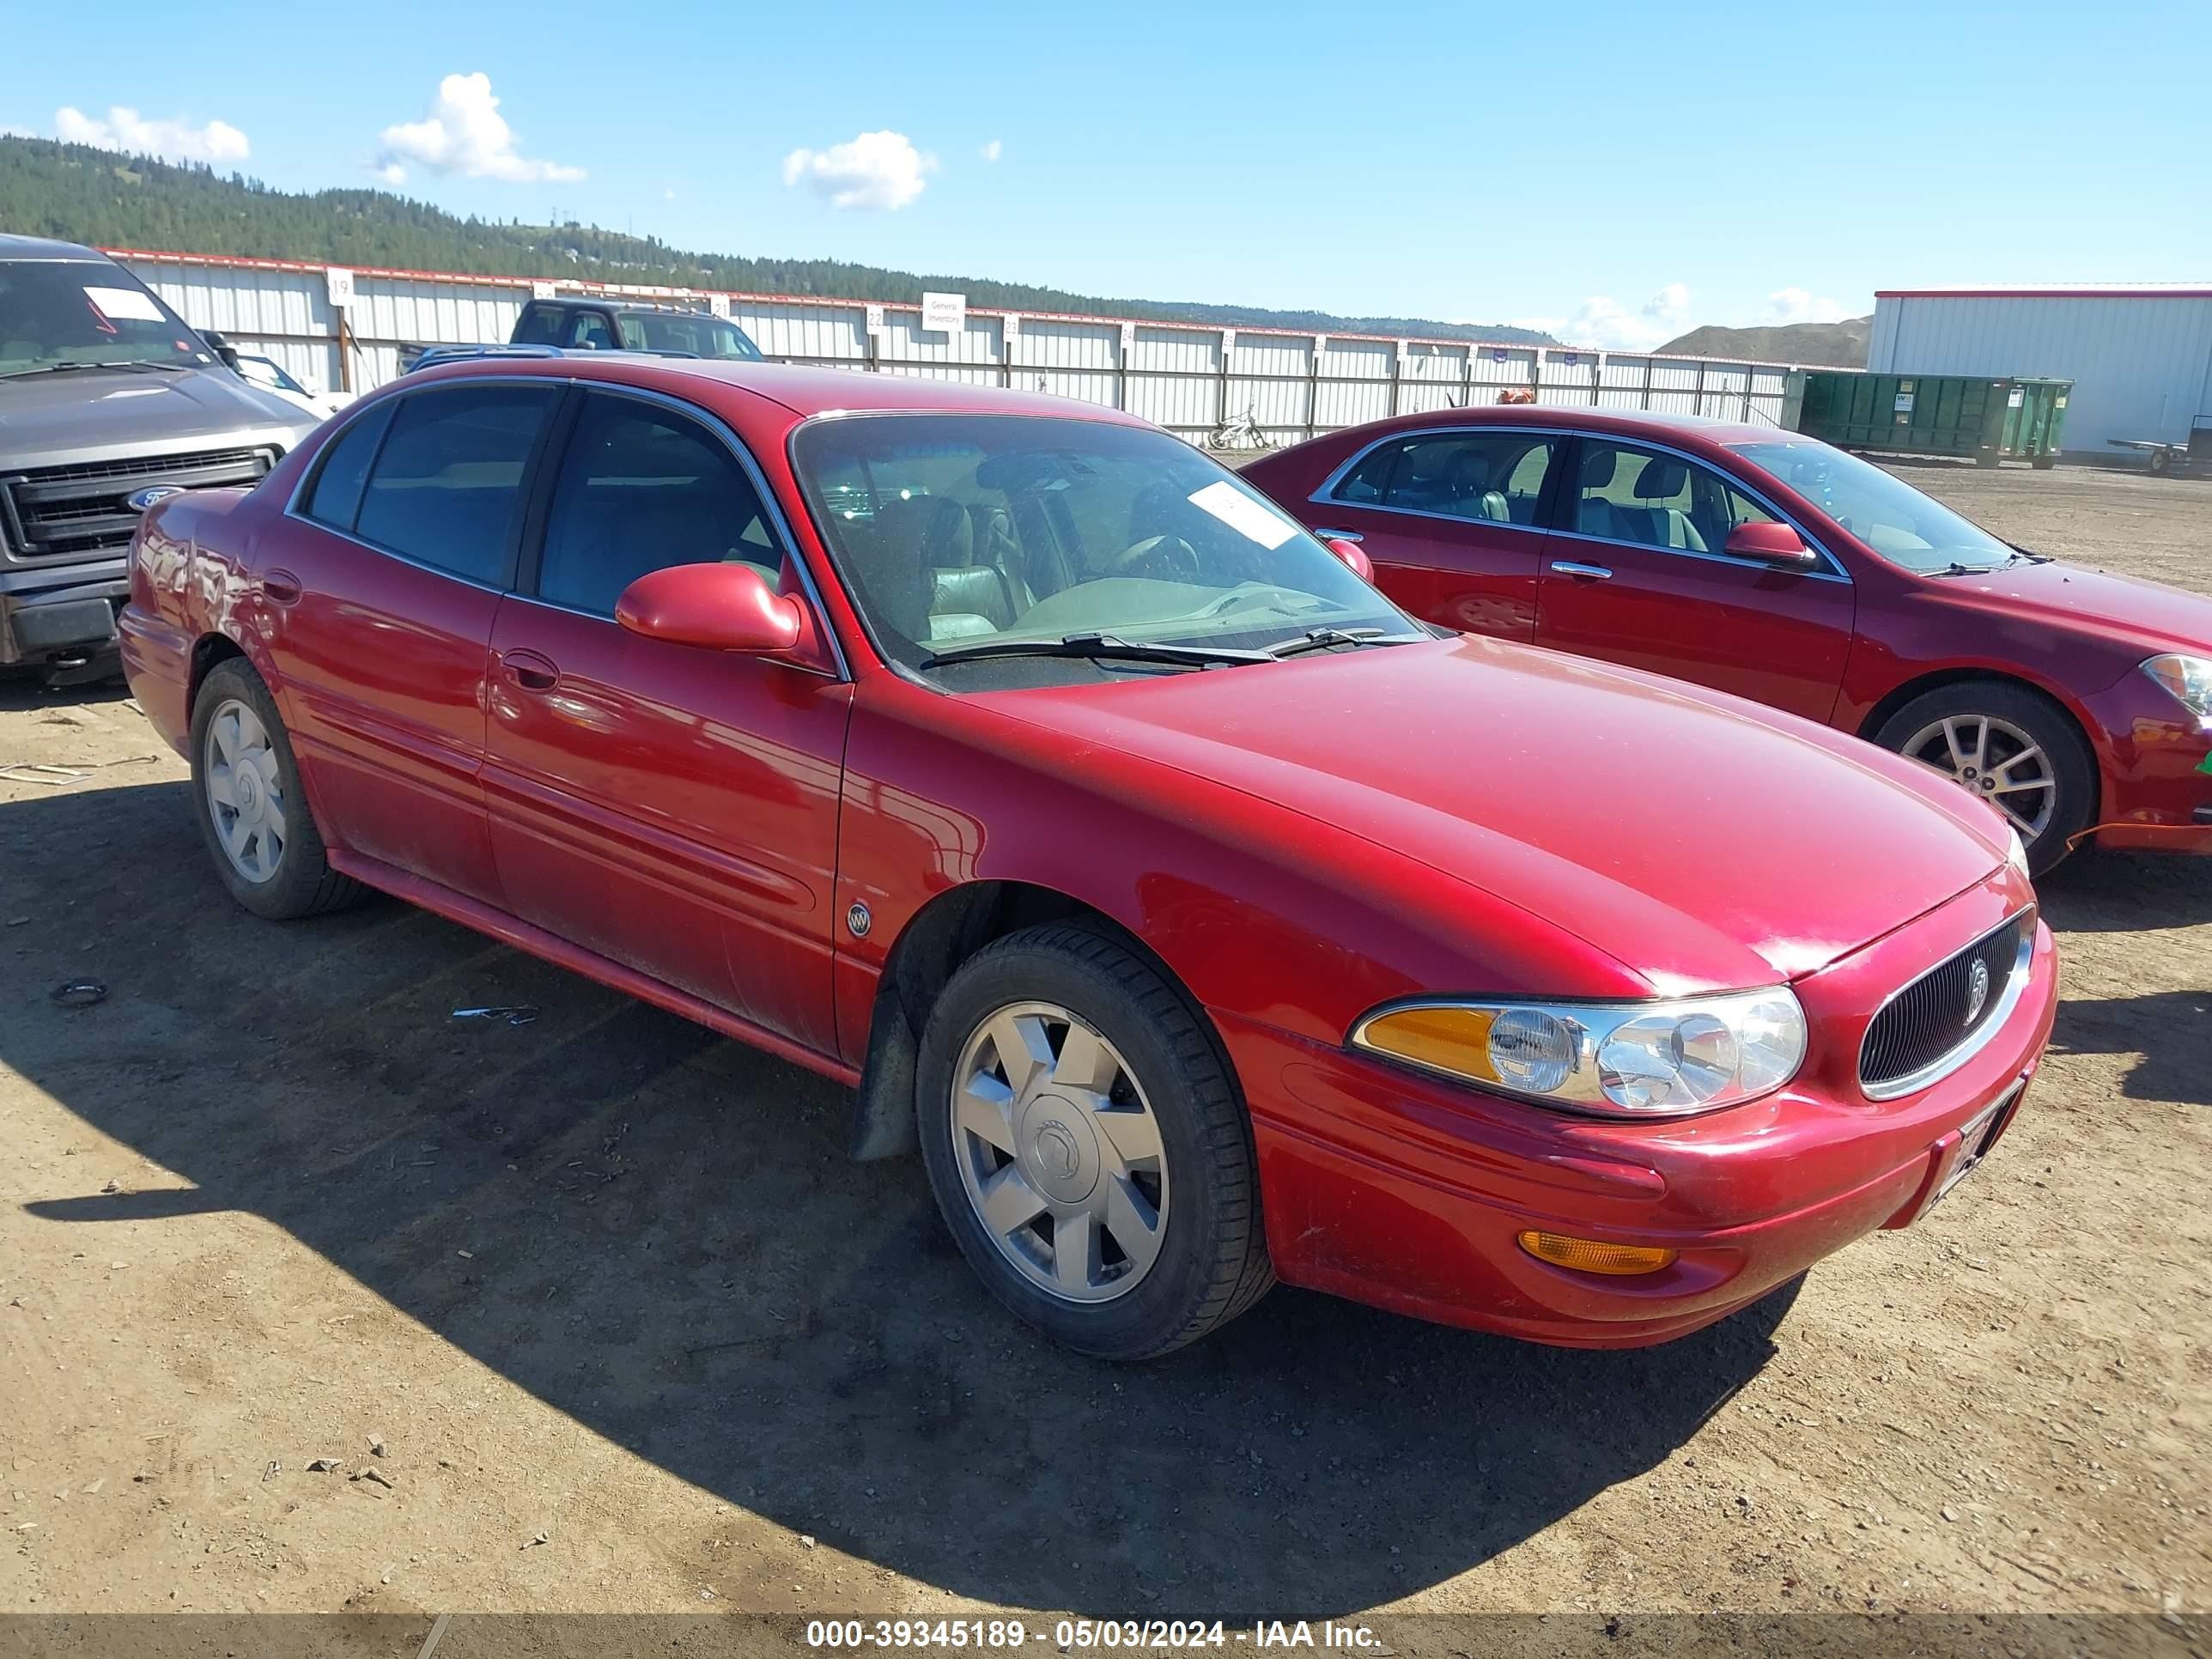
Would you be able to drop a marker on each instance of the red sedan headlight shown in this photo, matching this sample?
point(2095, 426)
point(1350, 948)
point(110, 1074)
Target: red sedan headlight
point(1618, 1060)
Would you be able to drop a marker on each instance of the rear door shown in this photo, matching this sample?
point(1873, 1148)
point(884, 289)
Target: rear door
point(1635, 574)
point(383, 581)
point(1452, 520)
point(672, 808)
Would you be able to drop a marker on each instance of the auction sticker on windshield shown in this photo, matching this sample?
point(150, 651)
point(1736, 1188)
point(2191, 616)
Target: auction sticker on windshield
point(1243, 514)
point(123, 305)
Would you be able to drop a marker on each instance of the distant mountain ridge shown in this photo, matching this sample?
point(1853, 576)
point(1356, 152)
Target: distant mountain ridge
point(1828, 345)
point(109, 200)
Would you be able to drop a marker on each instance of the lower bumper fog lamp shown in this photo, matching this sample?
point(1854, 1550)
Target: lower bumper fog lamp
point(1593, 1255)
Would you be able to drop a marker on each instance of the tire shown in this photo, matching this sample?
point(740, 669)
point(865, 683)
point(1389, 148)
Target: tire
point(2044, 463)
point(2071, 766)
point(1121, 1023)
point(2161, 460)
point(282, 873)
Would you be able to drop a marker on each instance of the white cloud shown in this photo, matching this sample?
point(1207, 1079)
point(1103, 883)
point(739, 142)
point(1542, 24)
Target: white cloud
point(463, 133)
point(876, 170)
point(125, 129)
point(992, 151)
point(1796, 305)
point(1606, 324)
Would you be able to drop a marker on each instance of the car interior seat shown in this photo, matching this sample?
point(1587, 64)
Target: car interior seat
point(951, 595)
point(1664, 481)
point(1467, 494)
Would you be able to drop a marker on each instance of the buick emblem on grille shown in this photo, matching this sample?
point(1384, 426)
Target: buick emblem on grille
point(1977, 990)
point(139, 500)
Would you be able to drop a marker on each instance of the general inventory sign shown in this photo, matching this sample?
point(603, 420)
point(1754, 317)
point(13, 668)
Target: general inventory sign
point(943, 313)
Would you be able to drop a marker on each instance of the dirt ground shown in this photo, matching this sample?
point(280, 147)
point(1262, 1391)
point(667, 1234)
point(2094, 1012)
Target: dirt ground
point(615, 1327)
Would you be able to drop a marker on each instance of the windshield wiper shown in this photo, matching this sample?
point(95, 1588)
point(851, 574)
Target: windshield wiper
point(1107, 647)
point(1320, 638)
point(126, 362)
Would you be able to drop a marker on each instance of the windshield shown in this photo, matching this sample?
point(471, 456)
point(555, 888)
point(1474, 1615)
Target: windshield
point(85, 311)
point(956, 531)
point(1883, 511)
point(699, 335)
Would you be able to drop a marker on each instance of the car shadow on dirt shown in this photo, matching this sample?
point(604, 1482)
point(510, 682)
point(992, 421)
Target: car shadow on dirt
point(2178, 1068)
point(2122, 893)
point(654, 1232)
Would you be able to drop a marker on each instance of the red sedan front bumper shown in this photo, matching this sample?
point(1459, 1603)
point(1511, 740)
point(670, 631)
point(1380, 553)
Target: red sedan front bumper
point(1397, 1189)
point(2157, 796)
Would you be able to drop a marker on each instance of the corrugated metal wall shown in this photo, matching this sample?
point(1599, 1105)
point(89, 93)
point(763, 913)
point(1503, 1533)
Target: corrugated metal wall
point(2141, 365)
point(1187, 379)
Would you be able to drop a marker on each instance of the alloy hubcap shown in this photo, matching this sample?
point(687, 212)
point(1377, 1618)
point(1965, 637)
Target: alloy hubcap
point(1994, 760)
point(1060, 1153)
point(245, 795)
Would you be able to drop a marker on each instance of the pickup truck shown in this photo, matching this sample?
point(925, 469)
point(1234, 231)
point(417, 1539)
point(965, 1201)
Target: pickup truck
point(108, 402)
point(610, 325)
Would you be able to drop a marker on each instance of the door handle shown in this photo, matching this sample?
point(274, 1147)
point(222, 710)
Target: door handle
point(529, 670)
point(282, 586)
point(1351, 536)
point(1591, 573)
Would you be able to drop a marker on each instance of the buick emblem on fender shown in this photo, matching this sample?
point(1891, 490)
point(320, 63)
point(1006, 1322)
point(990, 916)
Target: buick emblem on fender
point(139, 500)
point(1977, 990)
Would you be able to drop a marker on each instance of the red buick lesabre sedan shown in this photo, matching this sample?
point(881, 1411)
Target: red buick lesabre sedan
point(1203, 918)
point(1761, 563)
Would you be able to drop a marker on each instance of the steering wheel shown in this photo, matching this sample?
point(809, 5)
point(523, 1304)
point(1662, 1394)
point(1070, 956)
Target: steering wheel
point(1176, 559)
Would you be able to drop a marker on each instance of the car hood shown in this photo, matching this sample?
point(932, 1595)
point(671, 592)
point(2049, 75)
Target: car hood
point(2159, 616)
point(96, 414)
point(1703, 841)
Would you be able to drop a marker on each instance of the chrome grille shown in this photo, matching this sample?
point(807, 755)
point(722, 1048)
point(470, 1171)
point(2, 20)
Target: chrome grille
point(1939, 1014)
point(64, 512)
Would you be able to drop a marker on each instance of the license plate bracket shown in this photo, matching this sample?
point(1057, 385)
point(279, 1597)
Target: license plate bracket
point(1974, 1142)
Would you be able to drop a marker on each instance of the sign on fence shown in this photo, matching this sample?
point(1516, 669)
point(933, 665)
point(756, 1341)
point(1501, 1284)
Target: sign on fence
point(943, 313)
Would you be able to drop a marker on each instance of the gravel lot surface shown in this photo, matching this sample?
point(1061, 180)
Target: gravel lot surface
point(590, 1314)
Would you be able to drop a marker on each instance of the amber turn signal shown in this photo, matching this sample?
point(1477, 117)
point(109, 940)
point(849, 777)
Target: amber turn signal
point(1593, 1255)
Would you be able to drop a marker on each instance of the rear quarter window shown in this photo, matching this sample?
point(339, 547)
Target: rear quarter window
point(335, 497)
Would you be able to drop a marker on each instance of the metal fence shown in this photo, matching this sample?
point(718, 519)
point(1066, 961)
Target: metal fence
point(1190, 378)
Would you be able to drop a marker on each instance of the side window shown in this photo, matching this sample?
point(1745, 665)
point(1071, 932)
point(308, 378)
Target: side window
point(539, 325)
point(343, 469)
point(589, 330)
point(1625, 494)
point(643, 488)
point(1494, 477)
point(448, 485)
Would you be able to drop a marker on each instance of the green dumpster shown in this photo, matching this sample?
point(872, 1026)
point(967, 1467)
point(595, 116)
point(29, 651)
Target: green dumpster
point(1981, 419)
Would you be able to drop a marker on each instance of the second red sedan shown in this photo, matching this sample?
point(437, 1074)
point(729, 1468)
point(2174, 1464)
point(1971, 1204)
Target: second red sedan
point(1772, 566)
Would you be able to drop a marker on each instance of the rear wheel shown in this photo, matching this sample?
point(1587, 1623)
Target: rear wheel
point(1086, 1145)
point(252, 812)
point(2011, 747)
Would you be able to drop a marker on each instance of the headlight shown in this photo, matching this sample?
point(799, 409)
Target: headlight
point(1620, 1060)
point(2190, 680)
point(2016, 852)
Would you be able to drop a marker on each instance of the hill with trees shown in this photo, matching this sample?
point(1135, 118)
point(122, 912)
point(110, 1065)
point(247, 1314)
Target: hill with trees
point(108, 200)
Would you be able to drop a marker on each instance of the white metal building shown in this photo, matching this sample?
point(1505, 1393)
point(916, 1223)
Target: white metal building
point(2140, 355)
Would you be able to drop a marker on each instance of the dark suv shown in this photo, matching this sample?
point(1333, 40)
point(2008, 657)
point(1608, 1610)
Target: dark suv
point(108, 401)
point(631, 325)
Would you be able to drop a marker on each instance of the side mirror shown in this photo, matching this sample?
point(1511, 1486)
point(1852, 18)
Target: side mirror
point(1770, 540)
point(226, 352)
point(1360, 564)
point(719, 607)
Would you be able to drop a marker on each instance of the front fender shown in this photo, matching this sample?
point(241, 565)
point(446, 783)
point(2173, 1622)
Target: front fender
point(1261, 911)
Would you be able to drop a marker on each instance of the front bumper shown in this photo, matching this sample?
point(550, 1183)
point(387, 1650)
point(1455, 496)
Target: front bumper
point(1396, 1190)
point(64, 615)
point(2157, 797)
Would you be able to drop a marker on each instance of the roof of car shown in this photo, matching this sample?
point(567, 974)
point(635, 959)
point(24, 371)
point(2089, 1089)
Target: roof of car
point(804, 392)
point(1714, 429)
point(609, 302)
point(41, 248)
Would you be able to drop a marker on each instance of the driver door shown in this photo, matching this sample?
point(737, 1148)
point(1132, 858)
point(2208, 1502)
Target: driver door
point(1635, 574)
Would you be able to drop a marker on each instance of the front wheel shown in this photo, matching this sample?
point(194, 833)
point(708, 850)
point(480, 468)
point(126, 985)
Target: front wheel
point(1087, 1147)
point(2011, 747)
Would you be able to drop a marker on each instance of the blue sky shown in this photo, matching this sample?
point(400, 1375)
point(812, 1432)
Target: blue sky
point(1618, 172)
